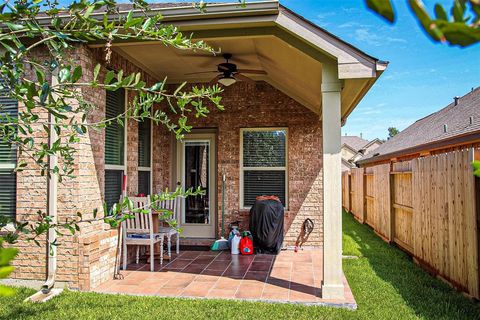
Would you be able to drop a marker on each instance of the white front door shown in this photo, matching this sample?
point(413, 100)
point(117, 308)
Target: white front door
point(196, 168)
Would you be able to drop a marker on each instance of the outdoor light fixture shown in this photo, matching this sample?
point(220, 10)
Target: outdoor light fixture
point(227, 80)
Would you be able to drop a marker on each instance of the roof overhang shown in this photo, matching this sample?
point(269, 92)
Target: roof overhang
point(290, 48)
point(455, 141)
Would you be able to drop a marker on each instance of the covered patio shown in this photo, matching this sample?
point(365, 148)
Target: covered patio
point(287, 278)
point(300, 85)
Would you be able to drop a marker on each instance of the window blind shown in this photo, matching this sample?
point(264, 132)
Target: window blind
point(144, 143)
point(114, 133)
point(258, 183)
point(144, 182)
point(113, 187)
point(264, 164)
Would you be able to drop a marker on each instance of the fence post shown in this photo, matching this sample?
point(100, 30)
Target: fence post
point(364, 196)
point(391, 233)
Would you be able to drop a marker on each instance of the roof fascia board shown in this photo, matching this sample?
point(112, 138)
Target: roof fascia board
point(213, 10)
point(349, 147)
point(471, 137)
point(352, 63)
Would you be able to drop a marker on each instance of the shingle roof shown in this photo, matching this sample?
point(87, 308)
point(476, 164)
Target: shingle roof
point(432, 127)
point(354, 142)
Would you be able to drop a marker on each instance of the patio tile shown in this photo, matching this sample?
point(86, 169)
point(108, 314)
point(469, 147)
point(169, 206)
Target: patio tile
point(224, 256)
point(256, 275)
point(227, 283)
point(264, 257)
point(204, 260)
point(272, 292)
point(281, 273)
point(303, 279)
point(282, 264)
point(303, 289)
point(222, 293)
point(295, 296)
point(178, 264)
point(218, 265)
point(260, 266)
point(206, 278)
point(197, 289)
point(288, 277)
point(170, 292)
point(278, 282)
point(250, 291)
point(189, 255)
point(208, 272)
point(209, 253)
point(179, 282)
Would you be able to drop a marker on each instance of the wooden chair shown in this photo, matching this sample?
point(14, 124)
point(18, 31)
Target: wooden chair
point(167, 231)
point(139, 232)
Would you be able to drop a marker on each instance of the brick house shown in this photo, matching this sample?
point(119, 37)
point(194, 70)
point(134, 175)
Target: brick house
point(312, 83)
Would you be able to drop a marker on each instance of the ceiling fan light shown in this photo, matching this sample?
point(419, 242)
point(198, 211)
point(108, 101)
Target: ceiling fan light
point(227, 81)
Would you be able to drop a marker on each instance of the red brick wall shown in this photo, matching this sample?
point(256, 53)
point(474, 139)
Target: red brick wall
point(86, 259)
point(250, 106)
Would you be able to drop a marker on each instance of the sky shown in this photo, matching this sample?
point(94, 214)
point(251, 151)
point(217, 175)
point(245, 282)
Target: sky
point(422, 76)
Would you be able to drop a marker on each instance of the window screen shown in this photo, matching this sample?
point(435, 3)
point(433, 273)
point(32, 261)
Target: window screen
point(264, 164)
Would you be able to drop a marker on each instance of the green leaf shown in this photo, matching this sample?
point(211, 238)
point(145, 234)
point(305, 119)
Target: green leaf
point(14, 27)
point(64, 74)
point(77, 73)
point(132, 22)
point(440, 12)
point(458, 33)
point(109, 77)
point(383, 8)
point(96, 71)
point(476, 168)
point(458, 9)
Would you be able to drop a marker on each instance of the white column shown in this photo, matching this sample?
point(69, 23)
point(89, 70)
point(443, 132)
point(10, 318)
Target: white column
point(332, 287)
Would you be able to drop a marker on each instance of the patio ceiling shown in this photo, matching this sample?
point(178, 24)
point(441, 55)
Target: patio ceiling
point(263, 36)
point(288, 69)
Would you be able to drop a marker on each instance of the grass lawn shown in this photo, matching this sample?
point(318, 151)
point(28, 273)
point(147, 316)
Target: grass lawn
point(386, 285)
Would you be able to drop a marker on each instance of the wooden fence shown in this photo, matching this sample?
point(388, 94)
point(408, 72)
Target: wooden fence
point(428, 207)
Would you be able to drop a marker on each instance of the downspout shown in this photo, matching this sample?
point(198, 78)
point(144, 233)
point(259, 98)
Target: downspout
point(52, 182)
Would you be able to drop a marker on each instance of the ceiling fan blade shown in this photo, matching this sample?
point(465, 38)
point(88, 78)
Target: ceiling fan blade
point(251, 71)
point(240, 76)
point(215, 80)
point(187, 74)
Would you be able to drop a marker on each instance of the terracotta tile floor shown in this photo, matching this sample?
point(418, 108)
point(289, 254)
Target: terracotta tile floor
point(288, 277)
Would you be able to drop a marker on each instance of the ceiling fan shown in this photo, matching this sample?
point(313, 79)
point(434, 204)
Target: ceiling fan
point(229, 74)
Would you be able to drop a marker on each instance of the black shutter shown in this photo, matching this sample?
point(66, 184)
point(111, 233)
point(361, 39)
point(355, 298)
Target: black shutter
point(144, 143)
point(8, 106)
point(114, 133)
point(113, 187)
point(8, 193)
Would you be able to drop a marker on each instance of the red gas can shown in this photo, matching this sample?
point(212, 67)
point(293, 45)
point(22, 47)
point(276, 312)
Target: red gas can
point(246, 244)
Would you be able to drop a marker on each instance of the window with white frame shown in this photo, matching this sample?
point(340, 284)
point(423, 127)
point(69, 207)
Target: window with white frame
point(263, 164)
point(114, 147)
point(8, 159)
point(144, 157)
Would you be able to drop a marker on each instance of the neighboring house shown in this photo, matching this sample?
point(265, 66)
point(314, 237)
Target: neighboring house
point(454, 127)
point(313, 81)
point(354, 148)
